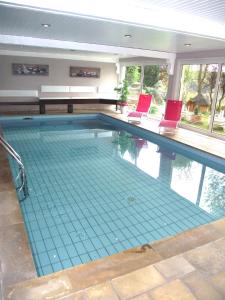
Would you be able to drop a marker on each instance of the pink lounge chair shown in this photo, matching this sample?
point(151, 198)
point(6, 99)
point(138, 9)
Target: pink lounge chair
point(172, 114)
point(142, 109)
point(140, 143)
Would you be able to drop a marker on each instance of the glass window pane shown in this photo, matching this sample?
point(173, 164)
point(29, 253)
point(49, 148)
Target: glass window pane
point(212, 197)
point(197, 92)
point(133, 76)
point(219, 117)
point(155, 82)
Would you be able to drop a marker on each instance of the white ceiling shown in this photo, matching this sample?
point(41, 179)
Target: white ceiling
point(20, 21)
point(213, 10)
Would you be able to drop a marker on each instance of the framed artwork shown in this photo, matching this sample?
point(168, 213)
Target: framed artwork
point(30, 69)
point(84, 72)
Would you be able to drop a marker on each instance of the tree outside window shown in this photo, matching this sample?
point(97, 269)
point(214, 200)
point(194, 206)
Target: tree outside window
point(197, 92)
point(155, 82)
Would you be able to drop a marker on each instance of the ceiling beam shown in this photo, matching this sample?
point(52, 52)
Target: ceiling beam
point(58, 44)
point(67, 56)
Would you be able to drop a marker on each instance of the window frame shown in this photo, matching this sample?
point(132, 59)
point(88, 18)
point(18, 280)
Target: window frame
point(177, 86)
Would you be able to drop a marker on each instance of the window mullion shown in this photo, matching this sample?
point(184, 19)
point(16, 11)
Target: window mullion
point(213, 106)
point(142, 77)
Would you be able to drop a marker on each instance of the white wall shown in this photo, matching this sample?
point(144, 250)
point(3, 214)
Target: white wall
point(58, 75)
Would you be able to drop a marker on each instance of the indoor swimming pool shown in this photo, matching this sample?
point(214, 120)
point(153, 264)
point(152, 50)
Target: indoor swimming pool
point(99, 186)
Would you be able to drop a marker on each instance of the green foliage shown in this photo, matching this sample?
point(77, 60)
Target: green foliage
point(150, 90)
point(182, 163)
point(189, 74)
point(205, 113)
point(204, 123)
point(151, 75)
point(123, 91)
point(126, 143)
point(155, 82)
point(199, 80)
point(196, 111)
point(215, 193)
point(221, 92)
point(153, 109)
point(158, 98)
point(133, 74)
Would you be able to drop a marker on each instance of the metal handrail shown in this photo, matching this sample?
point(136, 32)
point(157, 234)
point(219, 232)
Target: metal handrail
point(22, 173)
point(10, 147)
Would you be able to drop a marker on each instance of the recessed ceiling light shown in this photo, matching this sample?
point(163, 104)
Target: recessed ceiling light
point(127, 35)
point(46, 25)
point(187, 45)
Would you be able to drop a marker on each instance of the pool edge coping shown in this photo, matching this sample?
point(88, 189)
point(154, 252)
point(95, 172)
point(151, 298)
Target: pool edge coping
point(171, 136)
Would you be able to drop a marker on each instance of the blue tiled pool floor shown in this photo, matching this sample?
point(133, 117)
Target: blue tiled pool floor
point(87, 202)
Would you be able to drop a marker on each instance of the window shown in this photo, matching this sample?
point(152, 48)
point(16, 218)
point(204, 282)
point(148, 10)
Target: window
point(133, 77)
point(198, 88)
point(219, 116)
point(152, 79)
point(155, 82)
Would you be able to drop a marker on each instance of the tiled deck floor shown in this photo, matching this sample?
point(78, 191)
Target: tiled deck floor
point(183, 277)
point(190, 265)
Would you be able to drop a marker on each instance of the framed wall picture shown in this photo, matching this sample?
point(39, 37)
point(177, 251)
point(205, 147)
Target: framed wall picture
point(30, 69)
point(84, 72)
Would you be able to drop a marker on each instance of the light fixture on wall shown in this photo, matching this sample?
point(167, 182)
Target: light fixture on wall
point(128, 36)
point(187, 45)
point(46, 25)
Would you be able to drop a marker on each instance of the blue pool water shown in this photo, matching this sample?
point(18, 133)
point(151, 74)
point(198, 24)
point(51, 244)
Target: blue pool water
point(96, 189)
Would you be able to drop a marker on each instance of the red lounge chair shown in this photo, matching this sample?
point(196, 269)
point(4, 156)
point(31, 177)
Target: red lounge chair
point(142, 109)
point(172, 114)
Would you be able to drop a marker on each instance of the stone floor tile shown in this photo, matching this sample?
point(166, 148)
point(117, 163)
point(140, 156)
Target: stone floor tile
point(8, 202)
point(99, 271)
point(186, 241)
point(220, 244)
point(15, 217)
point(6, 186)
point(137, 282)
point(16, 259)
point(219, 282)
point(207, 259)
point(50, 289)
point(175, 290)
point(10, 212)
point(219, 225)
point(5, 174)
point(107, 268)
point(174, 267)
point(201, 287)
point(76, 296)
point(102, 291)
point(142, 297)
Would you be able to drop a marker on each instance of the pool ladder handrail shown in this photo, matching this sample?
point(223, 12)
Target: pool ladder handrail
point(22, 173)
